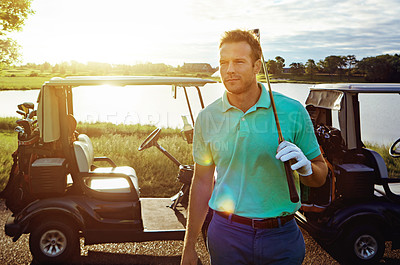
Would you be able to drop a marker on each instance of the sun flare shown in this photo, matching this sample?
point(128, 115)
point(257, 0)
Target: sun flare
point(108, 183)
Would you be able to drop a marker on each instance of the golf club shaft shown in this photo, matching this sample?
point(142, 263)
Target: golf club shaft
point(294, 197)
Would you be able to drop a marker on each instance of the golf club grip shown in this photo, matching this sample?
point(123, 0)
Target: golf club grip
point(294, 197)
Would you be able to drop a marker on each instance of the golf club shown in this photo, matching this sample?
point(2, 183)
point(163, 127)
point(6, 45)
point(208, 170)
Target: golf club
point(32, 114)
point(28, 105)
point(19, 129)
point(22, 113)
point(294, 197)
point(25, 124)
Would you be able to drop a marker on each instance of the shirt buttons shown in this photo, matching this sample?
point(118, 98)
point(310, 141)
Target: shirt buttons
point(243, 119)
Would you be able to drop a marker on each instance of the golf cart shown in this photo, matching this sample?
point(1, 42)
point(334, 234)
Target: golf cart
point(58, 195)
point(358, 208)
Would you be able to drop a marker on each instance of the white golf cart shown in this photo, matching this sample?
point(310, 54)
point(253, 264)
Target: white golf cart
point(358, 208)
point(101, 204)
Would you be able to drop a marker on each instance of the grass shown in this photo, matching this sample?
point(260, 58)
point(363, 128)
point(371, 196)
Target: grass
point(27, 79)
point(101, 128)
point(156, 173)
point(8, 123)
point(8, 144)
point(22, 82)
point(392, 164)
point(29, 83)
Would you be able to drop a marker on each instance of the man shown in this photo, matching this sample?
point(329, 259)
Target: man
point(236, 135)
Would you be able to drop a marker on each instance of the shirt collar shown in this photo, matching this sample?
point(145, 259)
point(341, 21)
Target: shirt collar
point(263, 102)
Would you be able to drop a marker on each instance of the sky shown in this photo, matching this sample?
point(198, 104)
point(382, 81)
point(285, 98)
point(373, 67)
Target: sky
point(188, 31)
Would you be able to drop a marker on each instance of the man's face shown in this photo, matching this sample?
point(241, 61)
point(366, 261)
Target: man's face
point(238, 71)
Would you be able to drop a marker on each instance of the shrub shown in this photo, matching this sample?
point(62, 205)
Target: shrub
point(33, 74)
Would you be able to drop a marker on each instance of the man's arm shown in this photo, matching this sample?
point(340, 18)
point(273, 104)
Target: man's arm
point(319, 172)
point(200, 194)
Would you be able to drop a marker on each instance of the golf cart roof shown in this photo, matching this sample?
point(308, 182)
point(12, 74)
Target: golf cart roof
point(127, 81)
point(360, 88)
point(329, 96)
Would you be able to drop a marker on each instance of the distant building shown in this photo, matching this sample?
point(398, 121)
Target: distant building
point(198, 67)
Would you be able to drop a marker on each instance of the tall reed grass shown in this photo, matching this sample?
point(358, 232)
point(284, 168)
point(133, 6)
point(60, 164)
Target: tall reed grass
point(156, 173)
point(22, 82)
point(101, 128)
point(392, 164)
point(8, 123)
point(8, 144)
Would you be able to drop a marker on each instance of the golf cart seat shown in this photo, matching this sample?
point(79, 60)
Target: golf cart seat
point(84, 154)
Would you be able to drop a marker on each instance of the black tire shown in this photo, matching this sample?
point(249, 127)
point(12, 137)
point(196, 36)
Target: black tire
point(364, 245)
point(54, 242)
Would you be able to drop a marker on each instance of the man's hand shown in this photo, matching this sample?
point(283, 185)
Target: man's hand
point(189, 256)
point(287, 151)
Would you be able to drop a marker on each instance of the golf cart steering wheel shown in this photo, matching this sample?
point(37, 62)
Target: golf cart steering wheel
point(394, 150)
point(150, 140)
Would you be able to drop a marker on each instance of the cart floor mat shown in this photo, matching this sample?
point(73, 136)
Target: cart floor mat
point(157, 215)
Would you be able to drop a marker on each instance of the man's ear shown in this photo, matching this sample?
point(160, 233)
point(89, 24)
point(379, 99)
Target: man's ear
point(257, 66)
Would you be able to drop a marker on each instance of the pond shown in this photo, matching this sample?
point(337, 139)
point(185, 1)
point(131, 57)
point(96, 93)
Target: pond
point(155, 105)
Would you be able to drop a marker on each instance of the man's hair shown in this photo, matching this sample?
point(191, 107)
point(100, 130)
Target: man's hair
point(239, 35)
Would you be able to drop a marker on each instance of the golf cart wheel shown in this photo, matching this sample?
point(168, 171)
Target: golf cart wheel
point(54, 242)
point(364, 245)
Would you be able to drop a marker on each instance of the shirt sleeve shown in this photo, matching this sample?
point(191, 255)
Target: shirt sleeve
point(202, 154)
point(305, 137)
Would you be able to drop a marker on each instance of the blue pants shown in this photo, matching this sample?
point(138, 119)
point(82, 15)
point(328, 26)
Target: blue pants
point(234, 243)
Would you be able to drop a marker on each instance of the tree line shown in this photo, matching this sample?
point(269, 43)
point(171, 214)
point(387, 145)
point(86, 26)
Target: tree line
point(98, 68)
point(381, 68)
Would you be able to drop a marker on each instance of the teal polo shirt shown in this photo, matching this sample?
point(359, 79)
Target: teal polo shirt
point(250, 181)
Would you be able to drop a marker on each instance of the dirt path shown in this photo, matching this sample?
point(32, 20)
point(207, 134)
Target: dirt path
point(157, 252)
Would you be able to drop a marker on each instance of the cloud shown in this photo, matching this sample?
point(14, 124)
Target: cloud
point(189, 31)
point(303, 28)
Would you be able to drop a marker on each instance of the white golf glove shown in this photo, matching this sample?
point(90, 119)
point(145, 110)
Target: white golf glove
point(287, 151)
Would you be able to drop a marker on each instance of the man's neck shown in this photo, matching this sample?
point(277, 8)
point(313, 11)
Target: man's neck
point(244, 101)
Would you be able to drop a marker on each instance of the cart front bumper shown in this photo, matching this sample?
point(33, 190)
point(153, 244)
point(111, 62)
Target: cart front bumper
point(12, 229)
point(320, 232)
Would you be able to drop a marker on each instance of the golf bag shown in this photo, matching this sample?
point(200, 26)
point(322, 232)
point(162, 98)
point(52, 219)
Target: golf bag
point(332, 148)
point(17, 191)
